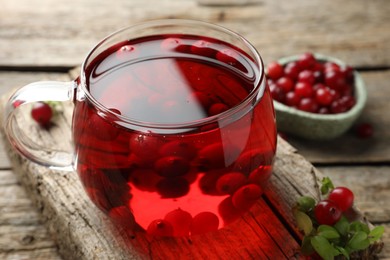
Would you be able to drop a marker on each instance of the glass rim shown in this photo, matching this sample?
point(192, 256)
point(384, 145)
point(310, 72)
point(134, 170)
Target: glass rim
point(259, 87)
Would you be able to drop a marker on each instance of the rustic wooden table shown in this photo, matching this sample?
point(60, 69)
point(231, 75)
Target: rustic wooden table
point(44, 39)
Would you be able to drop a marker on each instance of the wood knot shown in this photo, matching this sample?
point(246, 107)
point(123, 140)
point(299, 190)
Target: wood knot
point(28, 239)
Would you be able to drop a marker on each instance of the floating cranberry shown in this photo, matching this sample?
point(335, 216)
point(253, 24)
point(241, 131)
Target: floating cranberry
point(145, 179)
point(212, 156)
point(160, 228)
point(204, 222)
point(327, 213)
point(172, 166)
point(342, 197)
point(145, 146)
point(126, 52)
point(178, 148)
point(228, 212)
point(230, 182)
point(228, 56)
point(246, 196)
point(217, 108)
point(174, 44)
point(42, 113)
point(261, 175)
point(203, 48)
point(275, 70)
point(173, 187)
point(180, 221)
point(208, 182)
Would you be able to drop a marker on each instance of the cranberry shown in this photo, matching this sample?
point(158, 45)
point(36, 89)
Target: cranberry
point(230, 182)
point(274, 70)
point(308, 105)
point(277, 93)
point(246, 196)
point(178, 148)
point(327, 213)
point(334, 79)
point(227, 211)
point(342, 197)
point(292, 99)
point(323, 96)
point(172, 166)
point(306, 76)
point(307, 60)
point(212, 156)
point(173, 187)
point(292, 70)
point(203, 48)
point(304, 89)
point(180, 221)
point(228, 56)
point(364, 130)
point(175, 44)
point(285, 83)
point(125, 51)
point(160, 227)
point(42, 113)
point(217, 108)
point(204, 222)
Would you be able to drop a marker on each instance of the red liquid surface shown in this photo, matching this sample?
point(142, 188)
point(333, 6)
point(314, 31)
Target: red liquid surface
point(174, 182)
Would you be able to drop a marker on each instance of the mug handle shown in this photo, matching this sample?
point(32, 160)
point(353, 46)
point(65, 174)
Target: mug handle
point(19, 137)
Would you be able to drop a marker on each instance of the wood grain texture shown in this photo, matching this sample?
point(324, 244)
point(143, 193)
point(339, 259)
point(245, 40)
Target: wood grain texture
point(22, 234)
point(60, 33)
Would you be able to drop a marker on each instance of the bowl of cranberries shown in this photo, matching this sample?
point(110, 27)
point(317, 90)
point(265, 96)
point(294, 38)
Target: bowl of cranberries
point(315, 96)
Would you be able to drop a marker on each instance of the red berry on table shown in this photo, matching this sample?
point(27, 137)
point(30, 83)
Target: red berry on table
point(274, 70)
point(327, 213)
point(342, 197)
point(364, 130)
point(42, 113)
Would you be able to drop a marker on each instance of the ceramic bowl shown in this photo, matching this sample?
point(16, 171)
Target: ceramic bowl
point(320, 126)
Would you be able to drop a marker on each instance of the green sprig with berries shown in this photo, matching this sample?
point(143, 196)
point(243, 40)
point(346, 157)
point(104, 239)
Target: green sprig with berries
point(330, 230)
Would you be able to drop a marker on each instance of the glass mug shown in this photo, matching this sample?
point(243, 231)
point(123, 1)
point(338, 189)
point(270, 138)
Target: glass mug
point(173, 126)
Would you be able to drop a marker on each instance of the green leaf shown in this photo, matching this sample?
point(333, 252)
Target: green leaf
point(327, 185)
point(357, 226)
point(306, 203)
point(328, 232)
point(359, 241)
point(323, 247)
point(376, 234)
point(342, 226)
point(304, 222)
point(343, 252)
point(306, 247)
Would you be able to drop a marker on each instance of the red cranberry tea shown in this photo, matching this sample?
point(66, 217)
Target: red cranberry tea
point(164, 167)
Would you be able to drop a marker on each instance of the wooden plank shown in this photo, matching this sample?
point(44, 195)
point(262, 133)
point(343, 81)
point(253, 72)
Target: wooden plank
point(348, 148)
point(22, 235)
point(356, 31)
